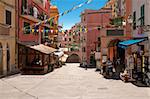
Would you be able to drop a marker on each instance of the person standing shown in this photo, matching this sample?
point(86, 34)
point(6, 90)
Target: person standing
point(131, 65)
point(109, 67)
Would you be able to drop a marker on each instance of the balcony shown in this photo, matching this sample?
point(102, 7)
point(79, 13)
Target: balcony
point(40, 4)
point(4, 29)
point(34, 14)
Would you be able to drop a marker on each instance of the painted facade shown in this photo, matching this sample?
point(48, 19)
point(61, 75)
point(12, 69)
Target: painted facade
point(53, 36)
point(8, 63)
point(92, 20)
point(31, 12)
point(141, 22)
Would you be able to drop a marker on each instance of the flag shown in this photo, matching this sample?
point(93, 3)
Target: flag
point(89, 1)
point(32, 30)
point(51, 31)
point(85, 29)
point(80, 29)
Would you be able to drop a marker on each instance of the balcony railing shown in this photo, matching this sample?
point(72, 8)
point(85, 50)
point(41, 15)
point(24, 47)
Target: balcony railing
point(4, 29)
point(30, 11)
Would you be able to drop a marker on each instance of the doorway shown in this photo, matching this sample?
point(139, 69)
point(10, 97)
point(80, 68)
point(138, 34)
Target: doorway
point(1, 59)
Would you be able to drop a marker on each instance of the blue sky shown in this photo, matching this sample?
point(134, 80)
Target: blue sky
point(73, 17)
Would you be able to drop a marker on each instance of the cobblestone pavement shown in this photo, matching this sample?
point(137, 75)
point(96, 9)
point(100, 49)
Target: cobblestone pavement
point(69, 82)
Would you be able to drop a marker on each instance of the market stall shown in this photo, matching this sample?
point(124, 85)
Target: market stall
point(37, 59)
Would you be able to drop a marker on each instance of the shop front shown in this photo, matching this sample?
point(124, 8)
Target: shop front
point(136, 63)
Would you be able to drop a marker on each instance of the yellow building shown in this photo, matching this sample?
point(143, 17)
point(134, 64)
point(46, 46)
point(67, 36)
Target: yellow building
point(54, 13)
point(7, 37)
point(113, 5)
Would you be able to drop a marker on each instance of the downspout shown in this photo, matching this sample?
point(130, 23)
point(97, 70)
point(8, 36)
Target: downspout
point(17, 31)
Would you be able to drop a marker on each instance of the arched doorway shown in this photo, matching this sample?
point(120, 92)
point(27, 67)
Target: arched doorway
point(117, 55)
point(74, 58)
point(1, 59)
point(112, 49)
point(8, 58)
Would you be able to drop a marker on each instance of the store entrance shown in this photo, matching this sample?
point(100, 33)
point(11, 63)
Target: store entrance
point(120, 61)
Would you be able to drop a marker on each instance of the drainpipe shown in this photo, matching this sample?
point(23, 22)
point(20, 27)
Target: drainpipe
point(17, 30)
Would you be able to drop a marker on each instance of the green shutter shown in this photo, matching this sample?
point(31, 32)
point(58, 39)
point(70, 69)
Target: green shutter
point(142, 15)
point(134, 20)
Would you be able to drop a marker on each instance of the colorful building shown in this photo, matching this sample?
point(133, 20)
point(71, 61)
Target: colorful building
point(8, 63)
point(31, 12)
point(113, 5)
point(141, 30)
point(53, 36)
point(93, 21)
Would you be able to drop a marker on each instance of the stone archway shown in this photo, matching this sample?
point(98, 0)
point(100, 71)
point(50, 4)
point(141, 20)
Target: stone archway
point(8, 58)
point(74, 58)
point(112, 48)
point(1, 58)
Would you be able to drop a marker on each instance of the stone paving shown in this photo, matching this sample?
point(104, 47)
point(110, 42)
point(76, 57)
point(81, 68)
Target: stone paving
point(69, 82)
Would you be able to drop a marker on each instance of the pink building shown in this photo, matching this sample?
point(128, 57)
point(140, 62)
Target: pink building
point(93, 21)
point(30, 13)
point(71, 38)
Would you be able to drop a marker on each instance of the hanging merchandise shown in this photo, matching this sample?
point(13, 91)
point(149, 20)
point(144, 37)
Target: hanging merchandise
point(35, 12)
point(52, 31)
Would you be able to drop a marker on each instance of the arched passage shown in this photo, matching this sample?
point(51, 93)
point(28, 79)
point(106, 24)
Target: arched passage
point(74, 58)
point(8, 58)
point(113, 49)
point(1, 58)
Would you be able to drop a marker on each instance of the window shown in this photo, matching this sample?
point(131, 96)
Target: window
point(142, 15)
point(24, 7)
point(8, 17)
point(115, 32)
point(134, 20)
point(69, 39)
point(83, 49)
point(27, 28)
point(69, 33)
point(99, 39)
point(65, 39)
point(98, 47)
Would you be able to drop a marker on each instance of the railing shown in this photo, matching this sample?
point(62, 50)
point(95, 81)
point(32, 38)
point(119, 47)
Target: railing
point(4, 29)
point(29, 11)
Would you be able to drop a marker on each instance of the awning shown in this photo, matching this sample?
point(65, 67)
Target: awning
point(125, 44)
point(44, 49)
point(59, 53)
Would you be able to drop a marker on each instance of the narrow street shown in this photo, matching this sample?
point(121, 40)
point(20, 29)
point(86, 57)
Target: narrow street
point(69, 82)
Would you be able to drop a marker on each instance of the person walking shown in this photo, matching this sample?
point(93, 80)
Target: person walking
point(109, 67)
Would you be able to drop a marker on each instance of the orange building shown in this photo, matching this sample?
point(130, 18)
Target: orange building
point(54, 14)
point(112, 4)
